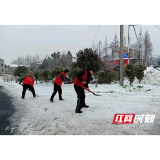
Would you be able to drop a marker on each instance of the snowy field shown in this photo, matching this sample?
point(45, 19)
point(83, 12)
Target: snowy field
point(40, 117)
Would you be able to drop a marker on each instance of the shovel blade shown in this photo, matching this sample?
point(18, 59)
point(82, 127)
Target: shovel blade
point(96, 94)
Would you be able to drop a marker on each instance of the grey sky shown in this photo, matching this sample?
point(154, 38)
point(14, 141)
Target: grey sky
point(21, 40)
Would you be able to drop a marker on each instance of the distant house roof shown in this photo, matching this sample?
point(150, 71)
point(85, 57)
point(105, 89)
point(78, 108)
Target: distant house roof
point(124, 49)
point(13, 65)
point(38, 62)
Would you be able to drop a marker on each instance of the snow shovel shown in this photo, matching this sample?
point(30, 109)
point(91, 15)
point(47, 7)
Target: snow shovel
point(90, 91)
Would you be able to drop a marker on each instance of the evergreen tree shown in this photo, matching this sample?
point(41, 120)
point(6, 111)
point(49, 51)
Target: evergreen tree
point(44, 65)
point(88, 58)
point(114, 45)
point(148, 49)
point(20, 71)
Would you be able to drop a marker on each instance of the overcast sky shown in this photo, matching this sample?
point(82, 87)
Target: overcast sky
point(21, 40)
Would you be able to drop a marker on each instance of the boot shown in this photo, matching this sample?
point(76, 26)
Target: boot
point(78, 108)
point(51, 100)
point(85, 106)
point(23, 95)
point(78, 111)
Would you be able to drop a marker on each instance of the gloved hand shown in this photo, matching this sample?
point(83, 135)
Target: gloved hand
point(83, 82)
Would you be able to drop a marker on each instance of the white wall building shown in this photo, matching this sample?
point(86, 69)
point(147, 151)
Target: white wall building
point(2, 69)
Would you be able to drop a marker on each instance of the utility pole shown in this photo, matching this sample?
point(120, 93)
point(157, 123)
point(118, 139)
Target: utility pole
point(128, 44)
point(121, 56)
point(140, 42)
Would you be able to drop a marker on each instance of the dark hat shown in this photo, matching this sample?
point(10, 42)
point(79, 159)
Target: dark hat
point(66, 71)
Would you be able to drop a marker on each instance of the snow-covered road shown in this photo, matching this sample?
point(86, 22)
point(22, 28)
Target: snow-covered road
point(40, 117)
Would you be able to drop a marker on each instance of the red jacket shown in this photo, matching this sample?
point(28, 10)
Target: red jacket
point(58, 79)
point(28, 80)
point(84, 78)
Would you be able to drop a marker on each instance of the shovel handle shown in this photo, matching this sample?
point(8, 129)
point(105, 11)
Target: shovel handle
point(87, 89)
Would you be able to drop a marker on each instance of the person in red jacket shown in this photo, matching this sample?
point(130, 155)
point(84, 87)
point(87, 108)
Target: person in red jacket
point(28, 83)
point(57, 84)
point(82, 80)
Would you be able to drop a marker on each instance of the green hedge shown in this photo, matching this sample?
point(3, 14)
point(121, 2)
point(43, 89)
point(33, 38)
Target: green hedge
point(106, 76)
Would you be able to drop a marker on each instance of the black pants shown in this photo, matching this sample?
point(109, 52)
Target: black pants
point(27, 86)
point(81, 97)
point(57, 88)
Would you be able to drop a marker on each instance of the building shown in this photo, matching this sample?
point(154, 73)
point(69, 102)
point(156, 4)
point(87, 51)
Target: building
point(125, 51)
point(132, 57)
point(35, 65)
point(2, 69)
point(11, 68)
point(6, 69)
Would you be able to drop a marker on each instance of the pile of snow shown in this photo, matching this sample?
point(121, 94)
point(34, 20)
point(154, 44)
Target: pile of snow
point(40, 117)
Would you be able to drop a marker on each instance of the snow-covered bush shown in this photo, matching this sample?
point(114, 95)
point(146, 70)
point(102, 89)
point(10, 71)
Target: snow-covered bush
point(130, 72)
point(139, 68)
point(106, 76)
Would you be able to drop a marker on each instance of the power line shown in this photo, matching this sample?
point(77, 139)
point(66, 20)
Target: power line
point(95, 35)
point(135, 33)
point(157, 27)
point(137, 41)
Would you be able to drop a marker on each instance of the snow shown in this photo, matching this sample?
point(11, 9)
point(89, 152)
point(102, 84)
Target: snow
point(40, 117)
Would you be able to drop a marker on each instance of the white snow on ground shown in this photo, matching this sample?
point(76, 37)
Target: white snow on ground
point(40, 117)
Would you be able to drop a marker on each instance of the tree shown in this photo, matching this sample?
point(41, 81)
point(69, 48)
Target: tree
point(88, 58)
point(55, 72)
point(69, 59)
point(140, 44)
point(45, 76)
point(37, 75)
point(148, 49)
point(73, 72)
point(20, 71)
point(135, 47)
point(66, 59)
point(130, 72)
point(99, 48)
point(139, 71)
point(124, 41)
point(27, 60)
point(106, 76)
point(113, 46)
point(105, 47)
point(94, 47)
point(44, 65)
